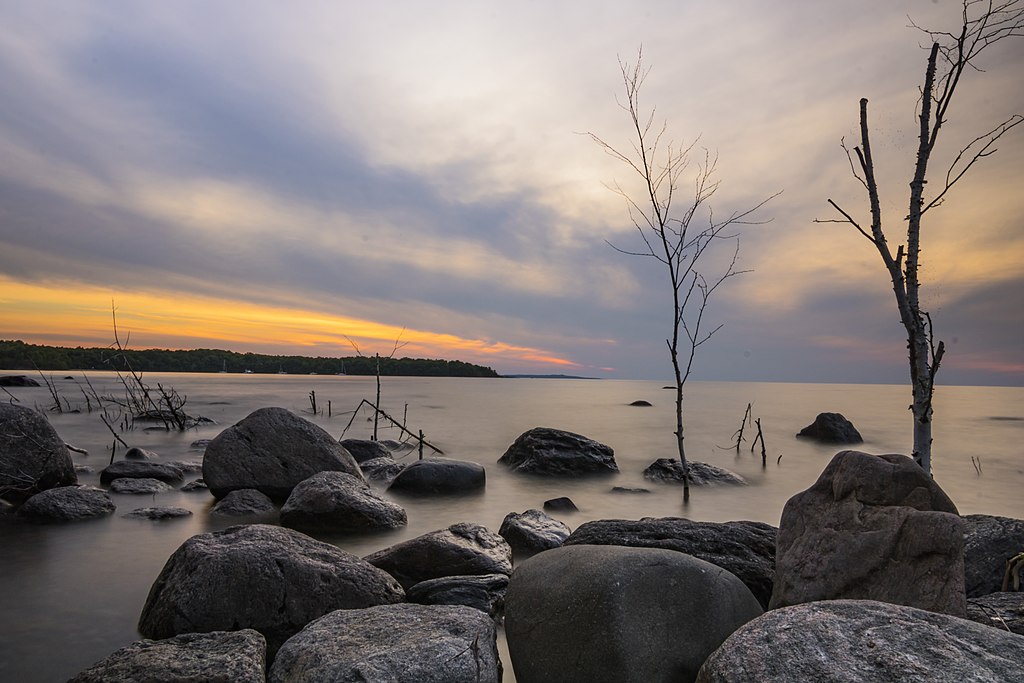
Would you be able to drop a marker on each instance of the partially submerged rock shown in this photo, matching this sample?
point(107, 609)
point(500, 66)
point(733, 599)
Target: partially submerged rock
point(365, 449)
point(136, 453)
point(67, 504)
point(440, 475)
point(17, 381)
point(532, 532)
point(33, 457)
point(555, 452)
point(831, 428)
point(485, 592)
point(242, 503)
point(140, 487)
point(381, 469)
point(159, 513)
point(141, 469)
point(670, 470)
point(562, 504)
point(337, 501)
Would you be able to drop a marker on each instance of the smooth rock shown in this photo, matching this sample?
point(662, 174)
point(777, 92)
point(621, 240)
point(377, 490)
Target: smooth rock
point(393, 644)
point(365, 449)
point(138, 486)
point(641, 404)
point(243, 502)
point(67, 504)
point(554, 452)
point(1003, 610)
point(33, 457)
point(439, 475)
point(461, 549)
point(872, 527)
point(217, 657)
point(195, 485)
point(831, 428)
point(670, 470)
point(853, 641)
point(381, 469)
point(562, 504)
point(136, 453)
point(485, 592)
point(263, 577)
point(159, 513)
point(141, 469)
point(747, 549)
point(532, 532)
point(272, 450)
point(611, 613)
point(988, 543)
point(338, 501)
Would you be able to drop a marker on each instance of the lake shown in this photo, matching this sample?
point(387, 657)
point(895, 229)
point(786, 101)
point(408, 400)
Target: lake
point(71, 594)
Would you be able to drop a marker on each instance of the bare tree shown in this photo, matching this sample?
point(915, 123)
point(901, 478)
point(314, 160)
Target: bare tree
point(950, 57)
point(680, 235)
point(376, 406)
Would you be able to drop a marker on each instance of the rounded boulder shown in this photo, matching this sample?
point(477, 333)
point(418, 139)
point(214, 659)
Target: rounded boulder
point(33, 457)
point(555, 452)
point(439, 475)
point(337, 501)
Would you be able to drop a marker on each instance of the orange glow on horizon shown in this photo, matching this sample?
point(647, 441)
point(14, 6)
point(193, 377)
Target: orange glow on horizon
point(81, 316)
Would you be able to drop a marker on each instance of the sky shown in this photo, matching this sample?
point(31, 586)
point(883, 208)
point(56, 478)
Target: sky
point(285, 177)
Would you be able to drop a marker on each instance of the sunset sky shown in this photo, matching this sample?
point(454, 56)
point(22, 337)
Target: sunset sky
point(277, 177)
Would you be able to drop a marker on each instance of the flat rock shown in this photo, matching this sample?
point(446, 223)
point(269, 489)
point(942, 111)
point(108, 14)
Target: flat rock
point(159, 513)
point(439, 475)
point(195, 485)
point(243, 502)
point(555, 452)
point(989, 542)
point(747, 549)
point(138, 486)
point(831, 428)
point(852, 641)
point(365, 449)
point(461, 549)
point(670, 470)
point(187, 466)
point(141, 469)
point(532, 532)
point(33, 457)
point(67, 504)
point(338, 501)
point(217, 657)
point(393, 643)
point(1003, 610)
point(485, 592)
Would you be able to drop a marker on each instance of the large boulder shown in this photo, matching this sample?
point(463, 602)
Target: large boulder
point(337, 501)
point(243, 503)
point(460, 549)
point(532, 532)
point(33, 457)
point(141, 469)
point(1003, 610)
point(263, 577)
point(67, 504)
point(485, 592)
point(670, 470)
point(547, 451)
point(989, 542)
point(365, 449)
point(872, 527)
point(440, 475)
point(850, 641)
point(393, 643)
point(747, 549)
point(217, 657)
point(831, 428)
point(272, 450)
point(610, 613)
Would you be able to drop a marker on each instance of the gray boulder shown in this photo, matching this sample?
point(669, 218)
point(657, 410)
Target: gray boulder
point(562, 504)
point(670, 470)
point(1003, 610)
point(67, 504)
point(140, 487)
point(17, 381)
point(831, 428)
point(257, 576)
point(554, 452)
point(852, 641)
point(217, 657)
point(485, 592)
point(141, 469)
point(136, 453)
point(243, 502)
point(195, 485)
point(610, 613)
point(439, 475)
point(381, 469)
point(989, 542)
point(337, 501)
point(747, 549)
point(872, 528)
point(365, 449)
point(33, 457)
point(159, 513)
point(272, 450)
point(393, 643)
point(532, 532)
point(460, 549)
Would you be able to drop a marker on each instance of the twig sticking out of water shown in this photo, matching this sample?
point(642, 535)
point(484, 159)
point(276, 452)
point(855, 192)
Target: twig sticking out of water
point(976, 461)
point(760, 437)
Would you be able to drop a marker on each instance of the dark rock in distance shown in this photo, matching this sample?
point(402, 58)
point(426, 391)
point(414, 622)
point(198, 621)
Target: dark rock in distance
point(989, 542)
point(641, 404)
point(159, 514)
point(439, 476)
point(670, 470)
point(337, 501)
point(532, 532)
point(67, 504)
point(555, 452)
point(562, 504)
point(626, 489)
point(217, 657)
point(365, 449)
point(243, 502)
point(831, 428)
point(485, 592)
point(17, 381)
point(141, 469)
point(142, 487)
point(33, 457)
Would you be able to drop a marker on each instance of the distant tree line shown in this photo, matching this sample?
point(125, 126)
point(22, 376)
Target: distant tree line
point(17, 355)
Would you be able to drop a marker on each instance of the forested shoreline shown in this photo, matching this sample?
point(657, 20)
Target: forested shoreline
point(17, 355)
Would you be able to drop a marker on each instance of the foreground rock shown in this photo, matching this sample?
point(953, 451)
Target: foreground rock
point(609, 613)
point(1004, 610)
point(485, 592)
point(850, 641)
point(218, 657)
point(67, 504)
point(989, 542)
point(747, 549)
point(365, 449)
point(440, 475)
point(461, 549)
point(141, 469)
point(554, 452)
point(337, 501)
point(394, 643)
point(271, 451)
point(872, 527)
point(701, 473)
point(263, 577)
point(532, 532)
point(831, 428)
point(33, 457)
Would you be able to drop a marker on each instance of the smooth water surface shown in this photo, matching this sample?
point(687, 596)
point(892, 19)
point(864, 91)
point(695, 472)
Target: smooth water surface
point(72, 593)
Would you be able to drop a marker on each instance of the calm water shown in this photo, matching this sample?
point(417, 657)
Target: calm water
point(71, 594)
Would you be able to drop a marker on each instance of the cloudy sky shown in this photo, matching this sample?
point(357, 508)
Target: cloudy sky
point(275, 177)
